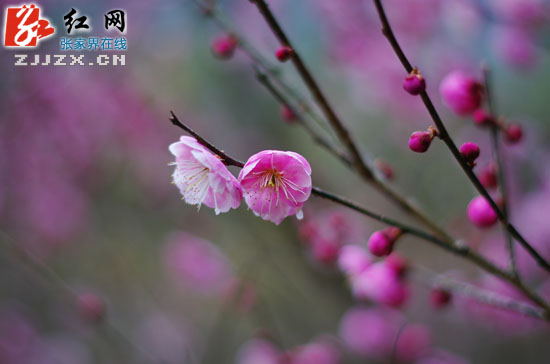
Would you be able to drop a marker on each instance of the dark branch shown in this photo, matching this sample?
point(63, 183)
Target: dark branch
point(227, 160)
point(444, 135)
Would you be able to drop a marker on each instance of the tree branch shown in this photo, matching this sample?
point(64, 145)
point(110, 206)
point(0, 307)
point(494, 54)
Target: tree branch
point(451, 246)
point(316, 92)
point(500, 164)
point(444, 135)
point(481, 295)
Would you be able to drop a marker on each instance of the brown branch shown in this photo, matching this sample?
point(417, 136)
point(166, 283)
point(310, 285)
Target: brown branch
point(266, 82)
point(227, 160)
point(316, 92)
point(444, 135)
point(453, 247)
point(442, 281)
point(500, 164)
point(273, 74)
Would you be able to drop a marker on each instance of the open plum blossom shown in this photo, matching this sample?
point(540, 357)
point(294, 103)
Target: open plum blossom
point(276, 184)
point(203, 178)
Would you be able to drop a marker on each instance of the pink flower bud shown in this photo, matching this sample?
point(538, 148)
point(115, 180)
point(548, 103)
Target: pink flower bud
point(420, 141)
point(414, 83)
point(283, 53)
point(470, 152)
point(288, 114)
point(224, 46)
point(513, 133)
point(461, 93)
point(483, 118)
point(488, 176)
point(480, 212)
point(325, 251)
point(440, 298)
point(381, 243)
point(90, 307)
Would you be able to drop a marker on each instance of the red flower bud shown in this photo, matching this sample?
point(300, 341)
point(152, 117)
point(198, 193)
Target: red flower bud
point(513, 133)
point(224, 46)
point(414, 83)
point(470, 152)
point(288, 114)
point(420, 141)
point(483, 118)
point(283, 53)
point(440, 298)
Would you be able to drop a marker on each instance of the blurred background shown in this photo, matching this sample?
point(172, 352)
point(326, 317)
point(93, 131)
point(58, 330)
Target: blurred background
point(102, 262)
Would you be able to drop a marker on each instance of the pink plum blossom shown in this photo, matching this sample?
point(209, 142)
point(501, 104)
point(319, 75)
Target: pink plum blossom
point(353, 259)
point(203, 178)
point(380, 283)
point(380, 333)
point(517, 47)
point(461, 92)
point(370, 332)
point(276, 184)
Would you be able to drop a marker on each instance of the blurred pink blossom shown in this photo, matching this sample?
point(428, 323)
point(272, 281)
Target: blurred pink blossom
point(197, 264)
point(353, 259)
point(461, 92)
point(17, 336)
point(381, 284)
point(516, 47)
point(163, 338)
point(258, 351)
point(320, 351)
point(520, 11)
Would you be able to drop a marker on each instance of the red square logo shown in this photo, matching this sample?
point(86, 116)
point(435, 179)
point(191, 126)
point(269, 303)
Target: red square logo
point(24, 28)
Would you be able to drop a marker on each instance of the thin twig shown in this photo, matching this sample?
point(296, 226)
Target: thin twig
point(266, 82)
point(451, 246)
point(443, 281)
point(273, 74)
point(261, 62)
point(364, 169)
point(41, 271)
point(315, 90)
point(227, 160)
point(444, 135)
point(500, 164)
